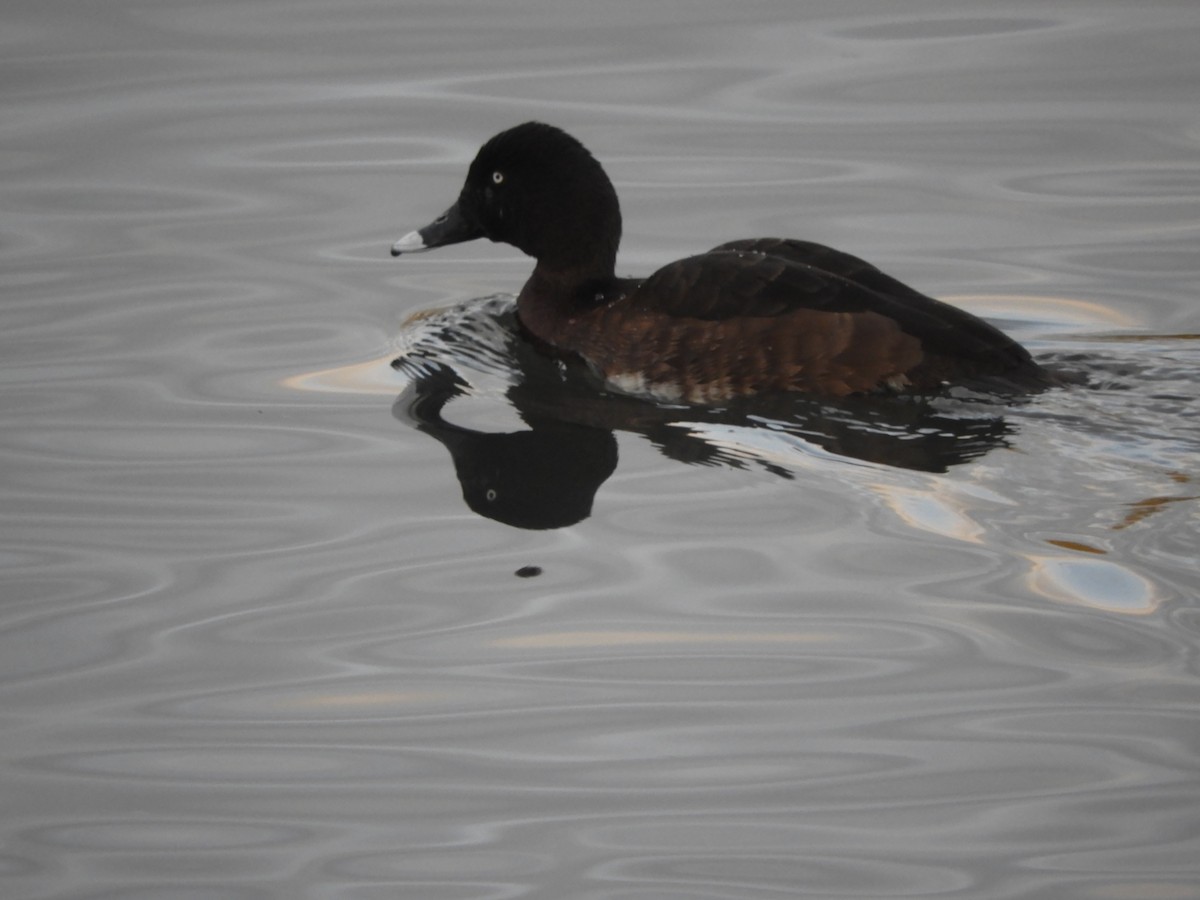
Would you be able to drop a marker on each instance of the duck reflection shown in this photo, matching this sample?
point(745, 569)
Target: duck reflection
point(547, 475)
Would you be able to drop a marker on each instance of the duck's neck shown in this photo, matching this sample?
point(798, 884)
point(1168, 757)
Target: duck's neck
point(568, 252)
point(555, 302)
point(576, 252)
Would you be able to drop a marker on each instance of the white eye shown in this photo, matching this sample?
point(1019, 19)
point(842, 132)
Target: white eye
point(497, 178)
point(491, 494)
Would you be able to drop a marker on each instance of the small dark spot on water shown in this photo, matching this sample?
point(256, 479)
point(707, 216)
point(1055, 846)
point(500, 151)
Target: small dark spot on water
point(529, 571)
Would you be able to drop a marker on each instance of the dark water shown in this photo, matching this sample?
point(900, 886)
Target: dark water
point(254, 643)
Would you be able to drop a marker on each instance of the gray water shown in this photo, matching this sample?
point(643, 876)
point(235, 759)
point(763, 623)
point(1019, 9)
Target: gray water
point(254, 643)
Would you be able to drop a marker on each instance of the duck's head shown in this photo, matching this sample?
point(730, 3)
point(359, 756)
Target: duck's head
point(537, 188)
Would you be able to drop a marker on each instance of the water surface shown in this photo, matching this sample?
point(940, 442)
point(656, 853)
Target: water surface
point(253, 641)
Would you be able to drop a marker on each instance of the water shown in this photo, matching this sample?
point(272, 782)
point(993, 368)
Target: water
point(255, 643)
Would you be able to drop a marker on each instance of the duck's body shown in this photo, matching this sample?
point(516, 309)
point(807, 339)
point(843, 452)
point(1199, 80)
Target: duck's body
point(750, 316)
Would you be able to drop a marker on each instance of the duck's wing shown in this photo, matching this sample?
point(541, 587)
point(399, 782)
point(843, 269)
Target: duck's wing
point(776, 277)
point(727, 284)
point(826, 259)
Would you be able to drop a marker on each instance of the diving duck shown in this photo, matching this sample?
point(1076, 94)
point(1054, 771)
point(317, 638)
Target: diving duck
point(748, 317)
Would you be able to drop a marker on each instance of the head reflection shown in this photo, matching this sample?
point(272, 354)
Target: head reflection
point(543, 477)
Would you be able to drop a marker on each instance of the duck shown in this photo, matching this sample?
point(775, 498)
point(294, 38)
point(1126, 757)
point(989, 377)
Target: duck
point(749, 317)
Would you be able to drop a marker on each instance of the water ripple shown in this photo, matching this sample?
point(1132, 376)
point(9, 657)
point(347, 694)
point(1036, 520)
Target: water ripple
point(251, 640)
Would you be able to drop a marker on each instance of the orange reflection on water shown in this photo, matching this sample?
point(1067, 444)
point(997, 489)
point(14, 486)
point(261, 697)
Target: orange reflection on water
point(1143, 509)
point(1078, 314)
point(375, 376)
point(1096, 583)
point(939, 510)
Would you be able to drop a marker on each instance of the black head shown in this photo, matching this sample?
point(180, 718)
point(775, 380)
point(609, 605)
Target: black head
point(537, 188)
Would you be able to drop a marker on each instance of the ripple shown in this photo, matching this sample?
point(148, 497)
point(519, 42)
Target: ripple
point(1157, 183)
point(174, 446)
point(363, 700)
point(672, 173)
point(85, 622)
point(593, 639)
point(663, 86)
point(354, 152)
point(948, 28)
point(12, 866)
point(670, 760)
point(783, 872)
point(1144, 738)
point(157, 835)
point(174, 891)
point(130, 202)
point(463, 865)
point(347, 622)
point(500, 642)
point(720, 672)
point(226, 764)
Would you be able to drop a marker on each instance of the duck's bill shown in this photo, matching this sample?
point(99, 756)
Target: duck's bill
point(451, 227)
